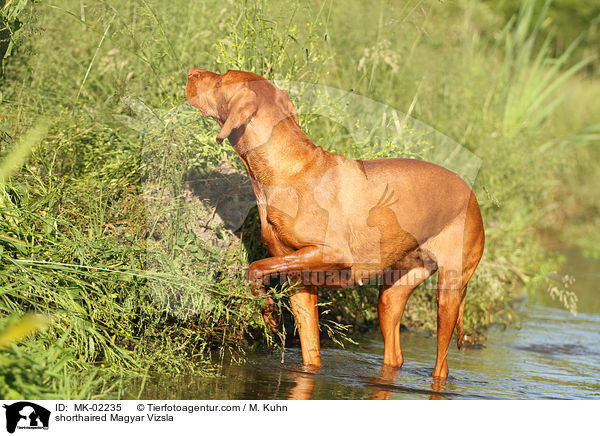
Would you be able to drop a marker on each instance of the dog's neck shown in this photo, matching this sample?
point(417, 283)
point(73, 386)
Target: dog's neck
point(277, 154)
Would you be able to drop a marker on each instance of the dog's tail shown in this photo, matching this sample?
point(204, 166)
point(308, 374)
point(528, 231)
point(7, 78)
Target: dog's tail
point(460, 332)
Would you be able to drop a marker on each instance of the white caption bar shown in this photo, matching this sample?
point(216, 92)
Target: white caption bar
point(88, 418)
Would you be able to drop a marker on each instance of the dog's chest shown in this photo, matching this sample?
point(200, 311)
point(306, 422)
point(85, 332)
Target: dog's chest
point(291, 219)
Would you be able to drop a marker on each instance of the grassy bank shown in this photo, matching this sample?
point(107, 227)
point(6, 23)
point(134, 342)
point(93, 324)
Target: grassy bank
point(109, 227)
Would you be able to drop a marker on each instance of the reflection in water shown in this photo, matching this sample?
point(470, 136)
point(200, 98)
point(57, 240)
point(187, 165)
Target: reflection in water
point(387, 383)
point(305, 383)
point(380, 385)
point(438, 386)
point(553, 355)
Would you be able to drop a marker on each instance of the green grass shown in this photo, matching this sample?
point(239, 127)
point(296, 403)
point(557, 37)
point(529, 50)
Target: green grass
point(99, 232)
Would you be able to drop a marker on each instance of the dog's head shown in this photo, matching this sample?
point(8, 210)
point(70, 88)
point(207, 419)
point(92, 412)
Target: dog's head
point(237, 97)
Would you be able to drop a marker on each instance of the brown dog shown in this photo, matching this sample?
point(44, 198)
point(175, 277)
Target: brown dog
point(336, 222)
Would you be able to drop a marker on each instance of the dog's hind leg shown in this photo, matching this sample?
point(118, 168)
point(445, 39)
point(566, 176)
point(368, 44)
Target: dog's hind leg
point(393, 295)
point(457, 250)
point(448, 300)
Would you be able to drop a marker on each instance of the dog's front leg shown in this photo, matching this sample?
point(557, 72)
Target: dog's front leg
point(304, 299)
point(304, 307)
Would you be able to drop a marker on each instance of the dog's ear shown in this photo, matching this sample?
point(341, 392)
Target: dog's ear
point(240, 109)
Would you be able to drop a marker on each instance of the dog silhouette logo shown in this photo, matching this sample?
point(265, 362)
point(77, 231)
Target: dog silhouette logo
point(26, 415)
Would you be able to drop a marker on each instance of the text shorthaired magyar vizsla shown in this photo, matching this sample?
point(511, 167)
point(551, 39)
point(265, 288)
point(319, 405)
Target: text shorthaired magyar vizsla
point(336, 222)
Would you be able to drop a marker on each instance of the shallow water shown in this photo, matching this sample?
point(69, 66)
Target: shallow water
point(553, 355)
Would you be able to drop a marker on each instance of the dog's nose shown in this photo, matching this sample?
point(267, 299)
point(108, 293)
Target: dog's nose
point(194, 71)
